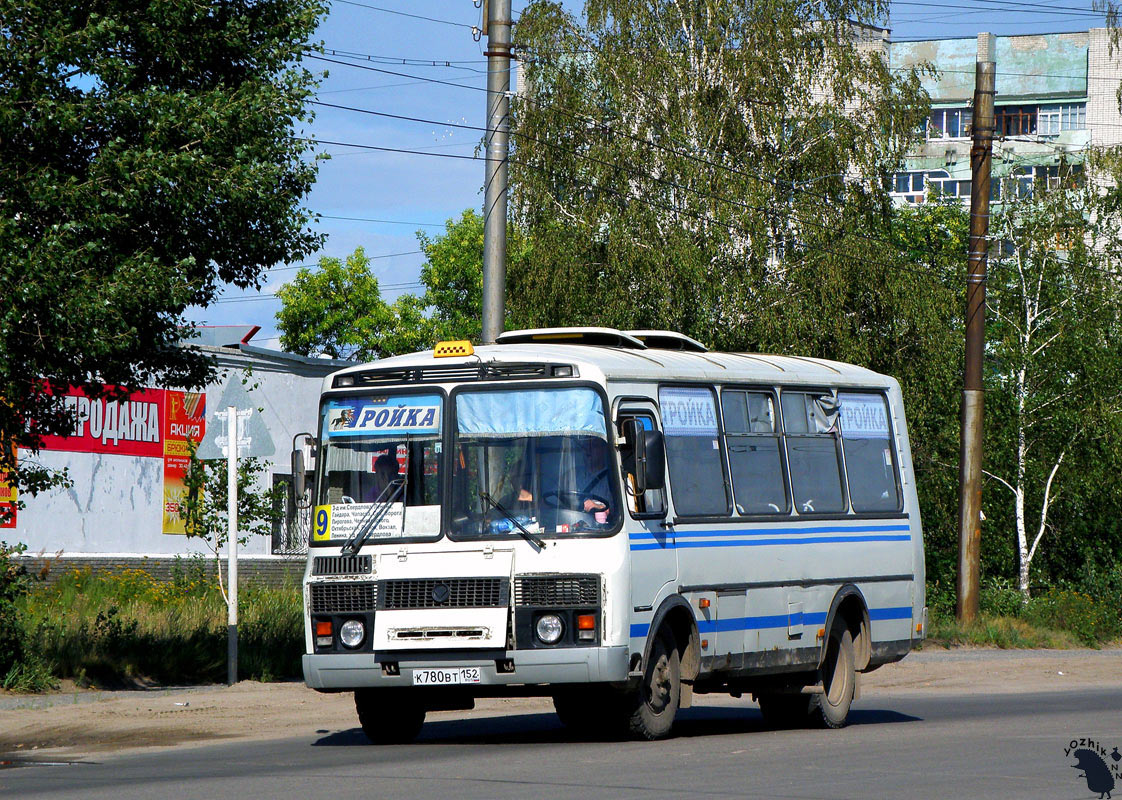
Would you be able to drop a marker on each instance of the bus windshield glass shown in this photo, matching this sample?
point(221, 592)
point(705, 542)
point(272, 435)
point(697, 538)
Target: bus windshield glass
point(381, 468)
point(538, 457)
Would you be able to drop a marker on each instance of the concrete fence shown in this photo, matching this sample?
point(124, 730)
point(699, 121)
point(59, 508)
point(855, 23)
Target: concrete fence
point(267, 570)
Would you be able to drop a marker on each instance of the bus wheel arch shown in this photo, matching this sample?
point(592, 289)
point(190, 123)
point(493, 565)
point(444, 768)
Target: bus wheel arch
point(849, 607)
point(675, 618)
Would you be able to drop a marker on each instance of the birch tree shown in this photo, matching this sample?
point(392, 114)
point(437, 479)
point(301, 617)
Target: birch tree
point(687, 163)
point(1054, 348)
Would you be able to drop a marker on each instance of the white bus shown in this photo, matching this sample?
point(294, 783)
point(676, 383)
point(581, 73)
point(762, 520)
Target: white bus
point(616, 520)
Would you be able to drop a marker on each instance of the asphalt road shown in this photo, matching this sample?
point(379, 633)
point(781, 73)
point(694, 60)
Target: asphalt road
point(897, 746)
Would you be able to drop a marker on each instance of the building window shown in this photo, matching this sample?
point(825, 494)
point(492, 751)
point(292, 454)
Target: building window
point(909, 185)
point(1015, 120)
point(1052, 120)
point(948, 123)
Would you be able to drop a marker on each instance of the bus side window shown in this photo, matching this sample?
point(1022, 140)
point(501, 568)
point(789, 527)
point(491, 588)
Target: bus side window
point(651, 503)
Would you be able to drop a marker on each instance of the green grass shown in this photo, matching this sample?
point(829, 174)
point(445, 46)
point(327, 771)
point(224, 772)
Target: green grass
point(996, 631)
point(122, 628)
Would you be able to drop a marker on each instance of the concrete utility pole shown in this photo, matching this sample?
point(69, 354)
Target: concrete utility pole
point(970, 458)
point(497, 27)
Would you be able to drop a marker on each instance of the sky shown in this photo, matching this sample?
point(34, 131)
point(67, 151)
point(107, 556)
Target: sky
point(390, 196)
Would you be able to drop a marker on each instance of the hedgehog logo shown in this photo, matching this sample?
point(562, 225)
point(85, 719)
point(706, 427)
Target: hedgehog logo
point(1094, 769)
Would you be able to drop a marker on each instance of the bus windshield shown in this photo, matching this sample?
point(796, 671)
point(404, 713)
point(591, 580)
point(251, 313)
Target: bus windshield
point(378, 450)
point(538, 457)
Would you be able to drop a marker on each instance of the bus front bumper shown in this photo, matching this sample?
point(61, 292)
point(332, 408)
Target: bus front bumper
point(344, 671)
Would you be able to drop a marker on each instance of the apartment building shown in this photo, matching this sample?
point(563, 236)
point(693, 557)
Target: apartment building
point(1057, 95)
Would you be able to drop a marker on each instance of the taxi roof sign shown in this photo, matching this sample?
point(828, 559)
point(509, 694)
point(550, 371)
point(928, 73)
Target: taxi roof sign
point(451, 349)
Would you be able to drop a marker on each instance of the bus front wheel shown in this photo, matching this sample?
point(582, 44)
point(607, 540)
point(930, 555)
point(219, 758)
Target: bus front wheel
point(656, 702)
point(389, 716)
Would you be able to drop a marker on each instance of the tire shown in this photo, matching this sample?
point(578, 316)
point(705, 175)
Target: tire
point(655, 704)
point(389, 716)
point(785, 710)
point(830, 707)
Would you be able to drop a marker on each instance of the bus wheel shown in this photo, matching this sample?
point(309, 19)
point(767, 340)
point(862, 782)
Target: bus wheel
point(830, 707)
point(656, 702)
point(784, 710)
point(388, 716)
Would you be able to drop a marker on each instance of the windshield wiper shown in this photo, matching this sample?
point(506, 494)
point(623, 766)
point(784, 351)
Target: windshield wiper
point(536, 541)
point(374, 516)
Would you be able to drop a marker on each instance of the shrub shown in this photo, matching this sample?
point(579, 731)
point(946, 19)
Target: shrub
point(13, 584)
point(1000, 597)
point(1091, 621)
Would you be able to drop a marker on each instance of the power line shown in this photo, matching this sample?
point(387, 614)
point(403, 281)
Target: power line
point(385, 222)
point(406, 62)
point(405, 14)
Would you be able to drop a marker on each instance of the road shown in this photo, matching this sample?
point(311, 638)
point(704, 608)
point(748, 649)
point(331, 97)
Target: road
point(898, 745)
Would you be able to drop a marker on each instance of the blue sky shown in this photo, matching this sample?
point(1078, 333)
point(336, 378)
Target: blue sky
point(421, 192)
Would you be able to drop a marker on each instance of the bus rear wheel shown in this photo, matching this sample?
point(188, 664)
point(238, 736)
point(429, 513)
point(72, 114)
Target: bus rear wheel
point(656, 702)
point(830, 707)
point(389, 716)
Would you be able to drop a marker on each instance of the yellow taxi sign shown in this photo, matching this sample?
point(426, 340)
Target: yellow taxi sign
point(461, 347)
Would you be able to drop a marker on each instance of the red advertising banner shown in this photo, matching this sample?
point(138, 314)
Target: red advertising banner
point(8, 497)
point(184, 419)
point(129, 427)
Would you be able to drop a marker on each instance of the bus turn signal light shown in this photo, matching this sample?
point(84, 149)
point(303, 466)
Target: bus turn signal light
point(323, 629)
point(586, 622)
point(461, 347)
point(703, 602)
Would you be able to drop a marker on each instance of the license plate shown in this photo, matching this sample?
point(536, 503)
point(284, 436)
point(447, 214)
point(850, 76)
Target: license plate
point(434, 677)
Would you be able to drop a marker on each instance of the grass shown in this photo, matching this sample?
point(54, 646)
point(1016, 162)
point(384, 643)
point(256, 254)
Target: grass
point(122, 628)
point(997, 631)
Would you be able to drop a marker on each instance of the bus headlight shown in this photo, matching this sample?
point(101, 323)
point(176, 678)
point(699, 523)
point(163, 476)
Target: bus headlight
point(351, 633)
point(549, 628)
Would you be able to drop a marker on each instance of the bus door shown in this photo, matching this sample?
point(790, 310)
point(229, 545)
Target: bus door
point(654, 562)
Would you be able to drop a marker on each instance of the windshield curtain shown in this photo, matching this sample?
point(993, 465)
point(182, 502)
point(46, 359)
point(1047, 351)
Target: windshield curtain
point(378, 448)
point(540, 454)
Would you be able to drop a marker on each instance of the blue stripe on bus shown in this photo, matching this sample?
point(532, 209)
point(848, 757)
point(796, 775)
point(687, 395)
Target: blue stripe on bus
point(673, 545)
point(645, 535)
point(641, 629)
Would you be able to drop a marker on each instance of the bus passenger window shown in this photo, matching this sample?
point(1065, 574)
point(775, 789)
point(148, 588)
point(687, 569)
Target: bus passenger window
point(755, 461)
point(693, 454)
point(809, 430)
point(869, 455)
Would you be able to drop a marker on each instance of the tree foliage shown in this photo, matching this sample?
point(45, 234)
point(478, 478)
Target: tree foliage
point(678, 165)
point(147, 157)
point(1055, 375)
point(338, 310)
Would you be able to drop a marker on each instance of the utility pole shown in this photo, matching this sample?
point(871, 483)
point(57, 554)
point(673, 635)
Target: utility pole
point(497, 27)
point(970, 457)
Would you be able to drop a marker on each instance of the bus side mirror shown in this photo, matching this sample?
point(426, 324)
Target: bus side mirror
point(644, 456)
point(300, 472)
point(654, 459)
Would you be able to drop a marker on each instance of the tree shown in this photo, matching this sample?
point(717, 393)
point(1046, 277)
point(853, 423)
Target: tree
point(1054, 339)
point(147, 157)
point(683, 165)
point(207, 503)
point(338, 311)
point(335, 311)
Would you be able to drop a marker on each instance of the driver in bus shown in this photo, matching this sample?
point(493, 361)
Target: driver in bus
point(593, 478)
point(385, 472)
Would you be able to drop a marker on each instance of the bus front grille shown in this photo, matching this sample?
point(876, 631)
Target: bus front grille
point(444, 593)
point(343, 598)
point(341, 565)
point(557, 590)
